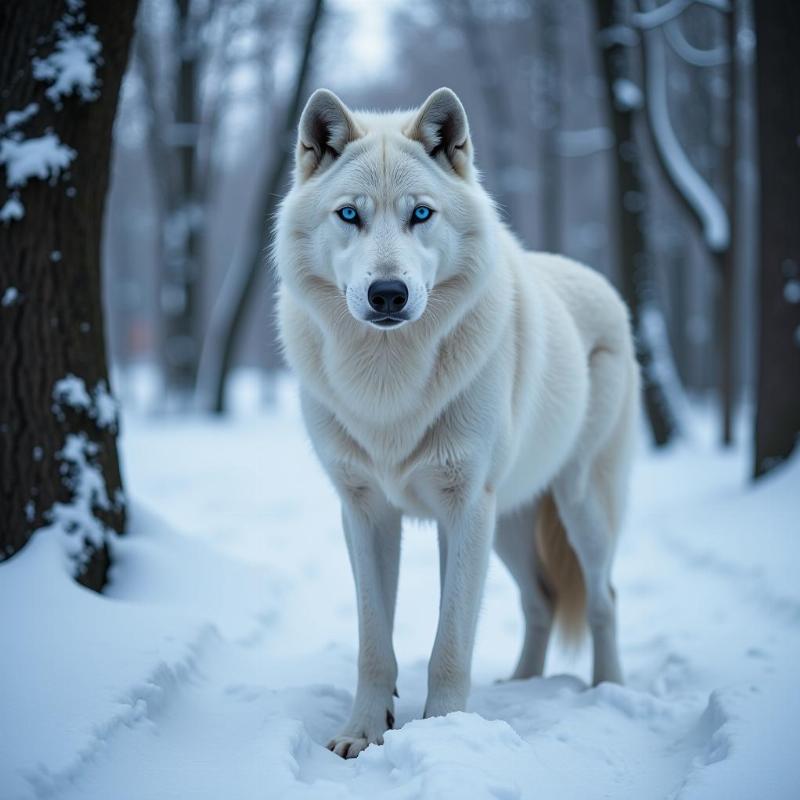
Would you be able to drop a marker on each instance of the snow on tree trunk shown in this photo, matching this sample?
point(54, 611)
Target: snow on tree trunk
point(778, 86)
point(61, 64)
point(638, 289)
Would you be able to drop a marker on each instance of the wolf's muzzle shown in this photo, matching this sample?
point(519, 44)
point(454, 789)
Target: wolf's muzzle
point(388, 297)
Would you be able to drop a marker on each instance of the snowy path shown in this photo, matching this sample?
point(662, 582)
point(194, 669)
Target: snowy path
point(224, 660)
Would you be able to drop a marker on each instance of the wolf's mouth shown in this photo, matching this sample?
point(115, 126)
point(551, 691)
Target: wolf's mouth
point(387, 322)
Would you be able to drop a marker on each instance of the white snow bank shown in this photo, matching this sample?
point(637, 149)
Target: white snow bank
point(220, 663)
point(78, 668)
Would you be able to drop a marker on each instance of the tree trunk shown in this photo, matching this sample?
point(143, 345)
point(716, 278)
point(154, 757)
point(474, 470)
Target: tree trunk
point(181, 278)
point(638, 289)
point(550, 125)
point(58, 426)
point(240, 284)
point(778, 87)
point(728, 268)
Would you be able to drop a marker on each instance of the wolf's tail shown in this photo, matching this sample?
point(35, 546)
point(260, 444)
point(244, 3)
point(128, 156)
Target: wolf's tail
point(562, 572)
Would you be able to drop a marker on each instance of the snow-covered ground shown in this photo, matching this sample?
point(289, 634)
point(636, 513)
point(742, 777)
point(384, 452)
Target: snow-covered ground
point(223, 657)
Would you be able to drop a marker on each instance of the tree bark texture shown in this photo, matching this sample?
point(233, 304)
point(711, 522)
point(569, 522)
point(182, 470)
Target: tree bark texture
point(777, 425)
point(51, 319)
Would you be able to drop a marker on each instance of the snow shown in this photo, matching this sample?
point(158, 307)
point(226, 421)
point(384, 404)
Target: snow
point(12, 209)
point(653, 329)
point(72, 391)
point(42, 157)
point(627, 95)
point(71, 67)
point(15, 118)
point(223, 656)
point(791, 291)
point(10, 296)
point(99, 404)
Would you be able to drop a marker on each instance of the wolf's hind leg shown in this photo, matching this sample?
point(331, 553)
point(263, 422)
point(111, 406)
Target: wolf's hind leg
point(592, 539)
point(590, 495)
point(515, 544)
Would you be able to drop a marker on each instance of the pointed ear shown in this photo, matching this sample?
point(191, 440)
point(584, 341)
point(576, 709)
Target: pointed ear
point(326, 127)
point(441, 127)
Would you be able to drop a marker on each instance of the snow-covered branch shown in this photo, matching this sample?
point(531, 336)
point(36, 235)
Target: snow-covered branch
point(653, 17)
point(693, 188)
point(696, 56)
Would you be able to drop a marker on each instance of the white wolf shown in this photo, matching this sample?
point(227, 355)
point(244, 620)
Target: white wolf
point(448, 374)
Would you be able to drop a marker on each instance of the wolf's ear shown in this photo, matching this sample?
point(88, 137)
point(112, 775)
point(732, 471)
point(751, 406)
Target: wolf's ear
point(326, 127)
point(441, 127)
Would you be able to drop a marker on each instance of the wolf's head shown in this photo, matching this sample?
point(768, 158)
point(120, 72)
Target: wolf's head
point(384, 211)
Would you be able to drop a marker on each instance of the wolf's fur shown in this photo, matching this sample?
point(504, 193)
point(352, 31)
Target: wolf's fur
point(512, 386)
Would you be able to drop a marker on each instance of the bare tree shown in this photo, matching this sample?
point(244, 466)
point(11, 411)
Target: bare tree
point(549, 123)
point(59, 467)
point(778, 85)
point(660, 25)
point(173, 58)
point(625, 100)
point(249, 262)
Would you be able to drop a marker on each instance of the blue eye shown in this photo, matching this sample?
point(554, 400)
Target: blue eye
point(348, 214)
point(421, 214)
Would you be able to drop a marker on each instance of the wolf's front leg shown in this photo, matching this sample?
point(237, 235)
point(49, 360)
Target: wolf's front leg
point(372, 531)
point(467, 541)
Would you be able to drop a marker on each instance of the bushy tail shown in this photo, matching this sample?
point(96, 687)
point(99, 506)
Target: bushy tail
point(561, 571)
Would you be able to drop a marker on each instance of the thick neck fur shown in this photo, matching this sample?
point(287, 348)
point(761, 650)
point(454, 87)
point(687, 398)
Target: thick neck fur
point(387, 387)
point(391, 385)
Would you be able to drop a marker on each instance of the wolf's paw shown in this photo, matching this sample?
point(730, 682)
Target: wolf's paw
point(349, 744)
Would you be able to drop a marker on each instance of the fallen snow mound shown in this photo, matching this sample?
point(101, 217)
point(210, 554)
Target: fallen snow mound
point(219, 663)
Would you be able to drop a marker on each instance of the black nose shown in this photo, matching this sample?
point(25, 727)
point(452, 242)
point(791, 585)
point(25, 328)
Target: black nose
point(388, 297)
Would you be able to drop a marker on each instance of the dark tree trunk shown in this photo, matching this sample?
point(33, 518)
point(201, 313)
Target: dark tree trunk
point(53, 444)
point(232, 311)
point(728, 338)
point(180, 282)
point(629, 201)
point(550, 125)
point(494, 92)
point(777, 426)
